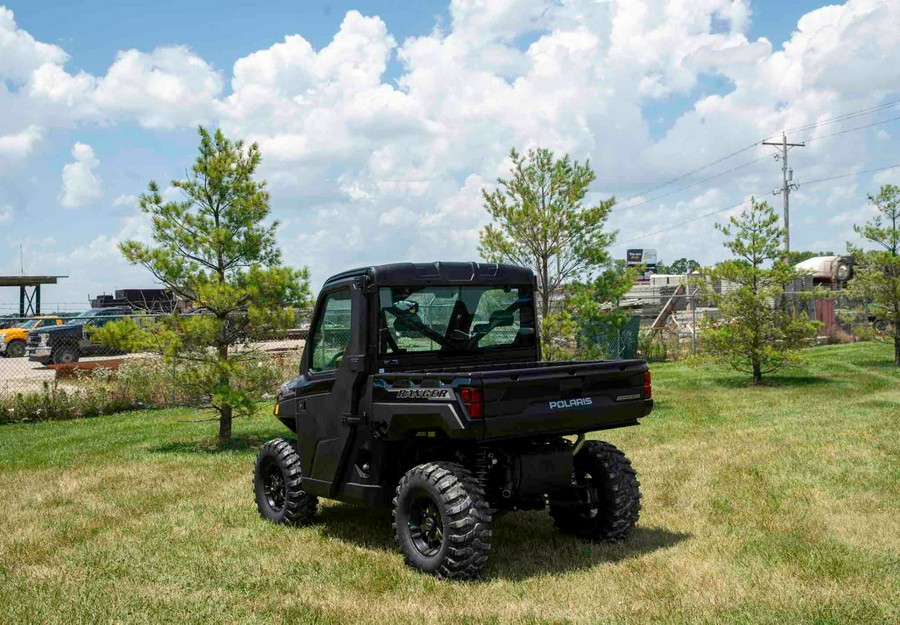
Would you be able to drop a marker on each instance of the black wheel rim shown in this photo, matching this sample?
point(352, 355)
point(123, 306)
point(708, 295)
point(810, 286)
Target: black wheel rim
point(273, 486)
point(426, 525)
point(584, 479)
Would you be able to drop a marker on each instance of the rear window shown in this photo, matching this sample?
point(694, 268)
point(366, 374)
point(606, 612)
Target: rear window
point(455, 319)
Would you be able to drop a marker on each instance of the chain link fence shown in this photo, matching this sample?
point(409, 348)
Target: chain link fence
point(57, 351)
point(50, 362)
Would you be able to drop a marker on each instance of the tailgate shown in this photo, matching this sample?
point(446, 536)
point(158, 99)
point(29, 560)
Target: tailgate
point(565, 398)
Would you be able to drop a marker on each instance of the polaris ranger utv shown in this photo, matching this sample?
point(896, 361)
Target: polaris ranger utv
point(421, 387)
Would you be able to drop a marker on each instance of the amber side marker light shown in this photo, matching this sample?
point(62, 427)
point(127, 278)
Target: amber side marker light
point(473, 400)
point(648, 387)
point(277, 406)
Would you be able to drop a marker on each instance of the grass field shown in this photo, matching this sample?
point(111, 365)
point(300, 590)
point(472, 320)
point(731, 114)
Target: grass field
point(778, 503)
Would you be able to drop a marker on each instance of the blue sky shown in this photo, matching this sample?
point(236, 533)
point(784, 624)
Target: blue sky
point(684, 90)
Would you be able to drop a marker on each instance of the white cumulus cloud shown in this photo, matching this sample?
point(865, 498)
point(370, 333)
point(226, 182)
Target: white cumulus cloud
point(80, 184)
point(367, 168)
point(20, 144)
point(20, 53)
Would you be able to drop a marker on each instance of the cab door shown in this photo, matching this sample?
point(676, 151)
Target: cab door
point(334, 369)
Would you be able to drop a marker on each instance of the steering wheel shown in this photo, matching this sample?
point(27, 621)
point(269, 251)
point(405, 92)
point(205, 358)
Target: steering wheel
point(333, 363)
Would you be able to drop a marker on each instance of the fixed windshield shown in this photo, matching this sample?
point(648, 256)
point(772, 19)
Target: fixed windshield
point(455, 318)
point(91, 314)
point(27, 324)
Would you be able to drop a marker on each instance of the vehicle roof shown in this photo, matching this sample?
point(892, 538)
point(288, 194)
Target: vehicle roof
point(438, 272)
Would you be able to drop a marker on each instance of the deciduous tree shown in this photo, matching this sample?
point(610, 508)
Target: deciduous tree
point(541, 219)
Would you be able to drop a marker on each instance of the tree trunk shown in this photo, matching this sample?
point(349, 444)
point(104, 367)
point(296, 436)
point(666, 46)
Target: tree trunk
point(225, 427)
point(226, 410)
point(897, 343)
point(757, 372)
point(543, 339)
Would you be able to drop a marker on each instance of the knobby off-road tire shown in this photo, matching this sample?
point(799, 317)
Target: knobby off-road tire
point(442, 521)
point(277, 484)
point(602, 467)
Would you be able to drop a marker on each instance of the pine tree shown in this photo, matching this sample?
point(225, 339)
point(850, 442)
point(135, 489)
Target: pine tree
point(215, 251)
point(756, 332)
point(877, 272)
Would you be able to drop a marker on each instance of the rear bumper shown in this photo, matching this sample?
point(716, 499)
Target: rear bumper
point(600, 415)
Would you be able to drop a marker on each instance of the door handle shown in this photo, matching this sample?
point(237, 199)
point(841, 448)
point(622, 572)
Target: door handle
point(350, 419)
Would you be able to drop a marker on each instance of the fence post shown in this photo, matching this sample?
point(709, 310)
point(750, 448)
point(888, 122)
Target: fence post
point(174, 379)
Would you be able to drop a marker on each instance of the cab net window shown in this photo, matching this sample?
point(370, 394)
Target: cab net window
point(455, 319)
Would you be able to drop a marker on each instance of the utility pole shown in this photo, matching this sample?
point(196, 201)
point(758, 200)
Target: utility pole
point(787, 184)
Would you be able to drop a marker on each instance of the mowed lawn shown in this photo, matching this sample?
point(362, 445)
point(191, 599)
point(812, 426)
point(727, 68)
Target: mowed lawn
point(778, 503)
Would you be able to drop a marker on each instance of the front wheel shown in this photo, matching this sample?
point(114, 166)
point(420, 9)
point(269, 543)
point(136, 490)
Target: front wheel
point(277, 484)
point(15, 349)
point(442, 521)
point(604, 502)
point(65, 354)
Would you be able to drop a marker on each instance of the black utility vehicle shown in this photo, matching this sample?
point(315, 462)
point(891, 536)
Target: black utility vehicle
point(421, 387)
point(70, 341)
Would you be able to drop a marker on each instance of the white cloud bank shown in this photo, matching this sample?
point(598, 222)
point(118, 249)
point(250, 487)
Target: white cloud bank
point(378, 170)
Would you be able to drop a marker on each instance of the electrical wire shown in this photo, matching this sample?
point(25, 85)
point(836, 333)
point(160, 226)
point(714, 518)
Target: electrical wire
point(690, 173)
point(840, 118)
point(841, 132)
point(742, 202)
point(694, 184)
point(810, 126)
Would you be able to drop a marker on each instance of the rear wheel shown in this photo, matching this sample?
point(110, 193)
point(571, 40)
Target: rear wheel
point(15, 349)
point(277, 484)
point(442, 521)
point(605, 501)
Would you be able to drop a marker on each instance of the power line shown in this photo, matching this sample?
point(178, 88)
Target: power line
point(692, 172)
point(840, 118)
point(841, 132)
point(742, 202)
point(855, 173)
point(810, 126)
point(747, 164)
point(683, 223)
point(694, 184)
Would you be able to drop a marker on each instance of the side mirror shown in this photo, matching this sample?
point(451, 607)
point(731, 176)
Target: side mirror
point(407, 306)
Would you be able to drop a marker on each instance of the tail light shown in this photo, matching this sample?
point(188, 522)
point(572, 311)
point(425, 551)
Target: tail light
point(648, 388)
point(473, 399)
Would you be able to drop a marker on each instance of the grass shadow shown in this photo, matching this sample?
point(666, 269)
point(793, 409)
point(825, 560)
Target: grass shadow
point(776, 381)
point(525, 545)
point(878, 364)
point(209, 446)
